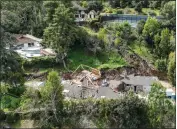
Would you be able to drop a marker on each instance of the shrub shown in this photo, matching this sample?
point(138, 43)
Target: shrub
point(10, 102)
point(11, 117)
point(160, 64)
point(152, 13)
point(119, 11)
point(40, 62)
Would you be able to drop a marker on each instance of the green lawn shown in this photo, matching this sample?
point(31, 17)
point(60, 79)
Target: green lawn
point(77, 57)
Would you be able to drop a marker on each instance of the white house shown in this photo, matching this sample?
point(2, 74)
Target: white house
point(92, 14)
point(27, 41)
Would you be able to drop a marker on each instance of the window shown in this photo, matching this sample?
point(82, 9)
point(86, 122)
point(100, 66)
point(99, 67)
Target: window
point(83, 16)
point(30, 44)
point(76, 16)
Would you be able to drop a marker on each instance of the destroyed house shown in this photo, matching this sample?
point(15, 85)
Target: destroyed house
point(139, 83)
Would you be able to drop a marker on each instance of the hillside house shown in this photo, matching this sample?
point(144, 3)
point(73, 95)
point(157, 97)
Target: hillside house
point(26, 41)
point(28, 46)
point(139, 83)
point(92, 14)
point(81, 14)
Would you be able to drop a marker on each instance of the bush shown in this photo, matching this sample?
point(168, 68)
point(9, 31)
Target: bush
point(152, 13)
point(119, 11)
point(2, 115)
point(40, 62)
point(10, 102)
point(11, 117)
point(160, 64)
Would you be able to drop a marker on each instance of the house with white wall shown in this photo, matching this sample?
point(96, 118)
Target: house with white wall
point(92, 14)
point(26, 41)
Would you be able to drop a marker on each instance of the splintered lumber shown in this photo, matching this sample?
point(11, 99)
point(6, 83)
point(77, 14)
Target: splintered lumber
point(76, 69)
point(96, 72)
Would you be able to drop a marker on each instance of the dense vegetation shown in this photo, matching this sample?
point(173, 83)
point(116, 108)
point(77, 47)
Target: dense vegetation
point(94, 44)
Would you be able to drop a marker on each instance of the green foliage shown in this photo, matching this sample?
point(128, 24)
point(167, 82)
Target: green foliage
point(172, 68)
point(40, 62)
point(11, 63)
point(121, 112)
point(95, 5)
point(102, 34)
point(52, 98)
point(163, 47)
point(140, 26)
point(94, 24)
point(100, 60)
point(60, 33)
point(161, 110)
point(84, 4)
point(111, 113)
point(30, 99)
point(160, 64)
point(120, 33)
point(168, 11)
point(119, 11)
point(2, 115)
point(151, 28)
point(52, 86)
point(142, 50)
point(9, 102)
point(12, 117)
point(23, 17)
point(138, 7)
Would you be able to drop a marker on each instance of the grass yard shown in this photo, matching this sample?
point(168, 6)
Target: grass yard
point(77, 57)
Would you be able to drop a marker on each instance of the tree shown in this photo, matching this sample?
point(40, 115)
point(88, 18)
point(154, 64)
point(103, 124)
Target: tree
point(151, 28)
point(161, 65)
point(96, 5)
point(115, 3)
point(123, 3)
point(140, 26)
point(120, 33)
point(161, 110)
point(121, 112)
point(168, 11)
point(172, 68)
point(52, 99)
point(163, 46)
point(23, 17)
point(61, 31)
point(11, 64)
point(84, 4)
point(138, 7)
